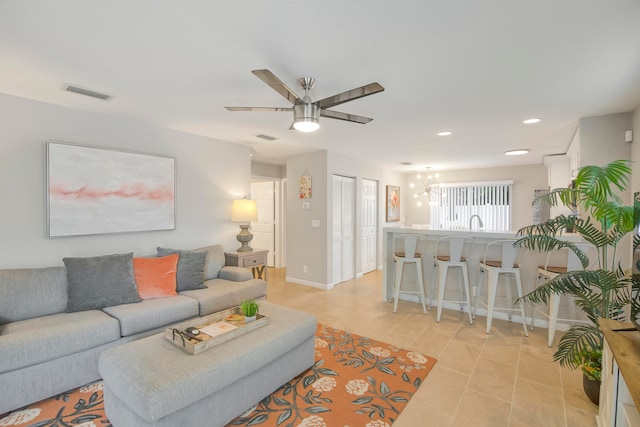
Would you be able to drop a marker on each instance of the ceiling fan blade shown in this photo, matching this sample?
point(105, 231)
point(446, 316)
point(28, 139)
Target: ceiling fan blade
point(350, 95)
point(258, 109)
point(276, 84)
point(345, 116)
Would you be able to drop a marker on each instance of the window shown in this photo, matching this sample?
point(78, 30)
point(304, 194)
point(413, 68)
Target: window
point(453, 205)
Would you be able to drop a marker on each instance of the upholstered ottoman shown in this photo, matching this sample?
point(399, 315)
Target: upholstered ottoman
point(152, 382)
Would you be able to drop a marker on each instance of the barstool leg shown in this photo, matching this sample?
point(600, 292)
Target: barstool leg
point(478, 291)
point(533, 311)
point(492, 286)
point(465, 277)
point(554, 306)
point(396, 293)
point(509, 293)
point(442, 280)
point(460, 285)
point(420, 280)
point(524, 318)
point(434, 278)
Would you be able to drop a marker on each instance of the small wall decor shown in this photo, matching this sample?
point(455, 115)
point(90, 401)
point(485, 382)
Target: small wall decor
point(305, 186)
point(99, 191)
point(393, 203)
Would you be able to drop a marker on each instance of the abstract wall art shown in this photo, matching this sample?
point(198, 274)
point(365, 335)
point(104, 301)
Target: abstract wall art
point(99, 191)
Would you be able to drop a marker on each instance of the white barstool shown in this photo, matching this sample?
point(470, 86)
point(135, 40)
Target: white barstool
point(548, 272)
point(507, 268)
point(459, 247)
point(408, 249)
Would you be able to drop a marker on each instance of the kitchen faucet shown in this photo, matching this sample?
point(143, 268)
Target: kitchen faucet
point(480, 224)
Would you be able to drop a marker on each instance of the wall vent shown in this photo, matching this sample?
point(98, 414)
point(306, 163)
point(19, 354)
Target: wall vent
point(406, 163)
point(266, 137)
point(87, 92)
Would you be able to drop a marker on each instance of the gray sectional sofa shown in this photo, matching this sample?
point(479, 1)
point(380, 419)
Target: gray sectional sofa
point(46, 350)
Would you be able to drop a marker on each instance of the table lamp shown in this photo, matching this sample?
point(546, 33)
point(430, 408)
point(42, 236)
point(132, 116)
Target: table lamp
point(244, 211)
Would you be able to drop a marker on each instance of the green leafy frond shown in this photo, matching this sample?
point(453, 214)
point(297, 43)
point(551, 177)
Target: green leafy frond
point(577, 340)
point(555, 197)
point(551, 227)
point(636, 243)
point(635, 295)
point(598, 184)
point(539, 242)
point(616, 216)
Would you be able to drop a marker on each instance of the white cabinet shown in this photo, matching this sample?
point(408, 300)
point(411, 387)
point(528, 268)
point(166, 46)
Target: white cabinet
point(617, 405)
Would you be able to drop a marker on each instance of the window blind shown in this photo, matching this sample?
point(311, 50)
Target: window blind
point(453, 205)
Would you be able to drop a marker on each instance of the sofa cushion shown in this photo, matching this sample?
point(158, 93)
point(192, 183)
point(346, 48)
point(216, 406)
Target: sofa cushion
point(190, 267)
point(156, 277)
point(32, 341)
point(152, 313)
point(101, 281)
point(215, 261)
point(32, 292)
point(221, 294)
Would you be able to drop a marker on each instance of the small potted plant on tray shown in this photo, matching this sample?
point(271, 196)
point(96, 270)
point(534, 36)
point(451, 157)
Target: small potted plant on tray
point(250, 310)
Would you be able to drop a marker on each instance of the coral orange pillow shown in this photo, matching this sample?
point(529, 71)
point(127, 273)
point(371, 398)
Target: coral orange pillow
point(156, 277)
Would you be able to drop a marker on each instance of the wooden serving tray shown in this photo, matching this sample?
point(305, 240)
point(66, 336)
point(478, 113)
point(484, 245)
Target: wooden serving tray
point(238, 328)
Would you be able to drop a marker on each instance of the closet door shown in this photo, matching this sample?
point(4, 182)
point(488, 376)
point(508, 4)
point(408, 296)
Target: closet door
point(343, 228)
point(369, 225)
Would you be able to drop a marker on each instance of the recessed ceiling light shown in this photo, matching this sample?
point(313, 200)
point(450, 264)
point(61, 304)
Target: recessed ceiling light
point(531, 121)
point(445, 133)
point(517, 152)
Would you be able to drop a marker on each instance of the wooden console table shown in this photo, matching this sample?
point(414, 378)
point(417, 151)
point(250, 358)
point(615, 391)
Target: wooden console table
point(620, 390)
point(255, 260)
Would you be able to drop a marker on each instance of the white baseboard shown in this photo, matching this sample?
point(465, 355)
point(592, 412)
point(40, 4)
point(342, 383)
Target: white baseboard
point(309, 283)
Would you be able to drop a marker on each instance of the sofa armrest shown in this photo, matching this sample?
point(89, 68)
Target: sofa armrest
point(235, 274)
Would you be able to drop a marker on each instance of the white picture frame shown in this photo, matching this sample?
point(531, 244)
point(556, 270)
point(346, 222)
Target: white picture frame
point(103, 191)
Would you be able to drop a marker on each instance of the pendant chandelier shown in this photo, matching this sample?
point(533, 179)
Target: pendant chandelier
point(426, 188)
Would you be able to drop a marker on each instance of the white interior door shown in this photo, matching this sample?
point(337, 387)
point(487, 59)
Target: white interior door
point(343, 228)
point(264, 229)
point(369, 225)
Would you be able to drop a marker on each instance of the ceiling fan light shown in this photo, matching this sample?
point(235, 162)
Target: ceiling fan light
point(306, 125)
point(306, 117)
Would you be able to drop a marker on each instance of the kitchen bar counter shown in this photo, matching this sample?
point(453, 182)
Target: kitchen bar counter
point(529, 261)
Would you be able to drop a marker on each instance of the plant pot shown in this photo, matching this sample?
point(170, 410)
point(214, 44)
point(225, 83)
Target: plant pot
point(248, 319)
point(591, 389)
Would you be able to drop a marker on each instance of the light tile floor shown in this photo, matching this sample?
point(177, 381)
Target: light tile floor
point(497, 379)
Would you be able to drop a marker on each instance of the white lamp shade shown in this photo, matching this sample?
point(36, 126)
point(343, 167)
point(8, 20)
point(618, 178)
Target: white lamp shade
point(306, 125)
point(244, 211)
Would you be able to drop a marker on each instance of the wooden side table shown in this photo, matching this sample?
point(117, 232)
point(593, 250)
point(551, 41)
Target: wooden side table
point(255, 260)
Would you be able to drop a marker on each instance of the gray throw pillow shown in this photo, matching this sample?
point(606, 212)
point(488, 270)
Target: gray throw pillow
point(215, 261)
point(190, 274)
point(101, 281)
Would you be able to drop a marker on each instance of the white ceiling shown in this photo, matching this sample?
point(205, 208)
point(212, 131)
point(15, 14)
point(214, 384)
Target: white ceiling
point(476, 68)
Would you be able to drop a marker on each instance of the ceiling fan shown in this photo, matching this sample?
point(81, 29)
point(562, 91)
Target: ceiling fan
point(305, 112)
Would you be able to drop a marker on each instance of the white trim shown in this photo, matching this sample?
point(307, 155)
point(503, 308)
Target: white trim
point(309, 283)
point(474, 184)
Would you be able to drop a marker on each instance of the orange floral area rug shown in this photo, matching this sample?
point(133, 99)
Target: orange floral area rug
point(355, 381)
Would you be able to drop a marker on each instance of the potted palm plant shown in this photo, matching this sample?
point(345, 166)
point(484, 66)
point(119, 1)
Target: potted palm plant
point(601, 293)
